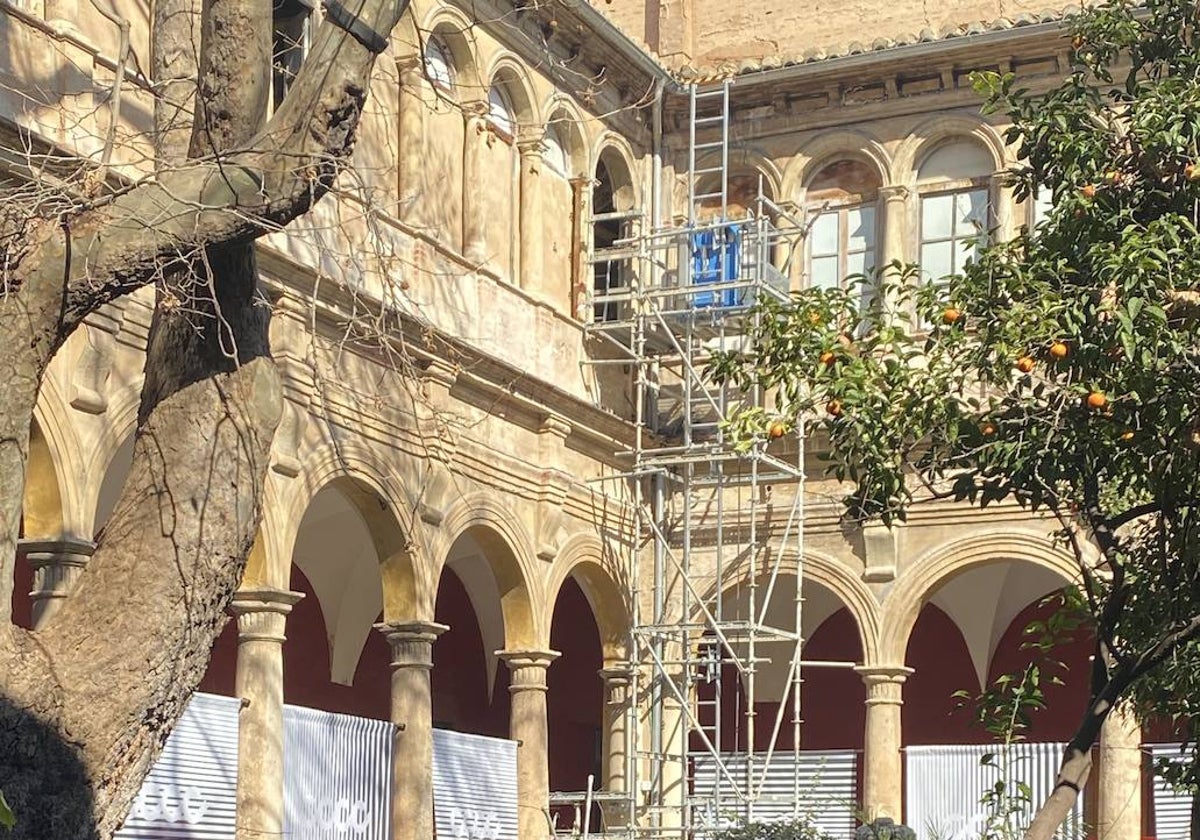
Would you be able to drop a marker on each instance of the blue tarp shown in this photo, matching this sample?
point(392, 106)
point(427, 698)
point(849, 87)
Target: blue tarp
point(715, 259)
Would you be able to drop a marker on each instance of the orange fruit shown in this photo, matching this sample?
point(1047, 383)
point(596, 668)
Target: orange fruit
point(776, 430)
point(814, 318)
point(1096, 400)
point(1127, 434)
point(1025, 364)
point(1191, 172)
point(1088, 190)
point(1058, 350)
point(826, 358)
point(834, 407)
point(988, 430)
point(951, 315)
point(1077, 42)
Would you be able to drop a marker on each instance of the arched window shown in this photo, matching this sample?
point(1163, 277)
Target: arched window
point(556, 158)
point(953, 186)
point(843, 236)
point(439, 64)
point(500, 113)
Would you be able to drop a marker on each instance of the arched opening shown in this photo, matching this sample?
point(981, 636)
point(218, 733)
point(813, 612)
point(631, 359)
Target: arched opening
point(832, 694)
point(613, 216)
point(561, 208)
point(333, 658)
point(501, 173)
point(842, 200)
point(575, 699)
point(113, 483)
point(953, 182)
point(482, 598)
point(443, 131)
point(41, 518)
point(971, 632)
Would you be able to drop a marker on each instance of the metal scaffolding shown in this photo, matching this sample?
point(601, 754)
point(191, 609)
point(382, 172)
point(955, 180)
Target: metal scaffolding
point(721, 524)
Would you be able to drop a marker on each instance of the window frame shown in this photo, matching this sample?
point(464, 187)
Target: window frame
point(958, 256)
point(843, 253)
point(502, 125)
point(445, 81)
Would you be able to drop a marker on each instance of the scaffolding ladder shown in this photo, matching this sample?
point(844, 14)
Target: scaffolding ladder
point(722, 526)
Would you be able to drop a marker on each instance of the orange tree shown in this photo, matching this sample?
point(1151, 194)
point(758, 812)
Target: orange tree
point(1061, 370)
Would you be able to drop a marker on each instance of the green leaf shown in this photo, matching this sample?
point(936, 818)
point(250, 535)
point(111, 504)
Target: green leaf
point(7, 818)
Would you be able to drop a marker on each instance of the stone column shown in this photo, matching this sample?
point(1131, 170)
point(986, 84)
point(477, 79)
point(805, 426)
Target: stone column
point(261, 617)
point(1120, 811)
point(474, 238)
point(412, 712)
point(1004, 209)
point(411, 141)
point(615, 738)
point(527, 685)
point(530, 211)
point(882, 766)
point(57, 565)
point(895, 235)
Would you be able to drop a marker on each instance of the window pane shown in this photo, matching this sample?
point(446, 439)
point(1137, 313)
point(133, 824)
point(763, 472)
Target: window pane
point(856, 263)
point(860, 223)
point(970, 212)
point(438, 66)
point(937, 259)
point(555, 154)
point(937, 213)
point(500, 113)
point(824, 234)
point(824, 274)
point(1042, 205)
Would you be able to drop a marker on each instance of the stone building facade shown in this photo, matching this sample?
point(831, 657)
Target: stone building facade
point(447, 539)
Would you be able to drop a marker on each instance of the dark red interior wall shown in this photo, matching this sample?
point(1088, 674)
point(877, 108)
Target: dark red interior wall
point(942, 665)
point(832, 711)
point(22, 604)
point(1064, 703)
point(221, 676)
point(459, 678)
point(832, 699)
point(574, 702)
point(306, 664)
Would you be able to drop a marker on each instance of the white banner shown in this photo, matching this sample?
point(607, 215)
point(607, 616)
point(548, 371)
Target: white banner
point(1172, 808)
point(191, 791)
point(821, 787)
point(946, 786)
point(337, 774)
point(474, 787)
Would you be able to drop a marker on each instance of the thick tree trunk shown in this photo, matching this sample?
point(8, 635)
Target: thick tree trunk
point(1072, 776)
point(129, 647)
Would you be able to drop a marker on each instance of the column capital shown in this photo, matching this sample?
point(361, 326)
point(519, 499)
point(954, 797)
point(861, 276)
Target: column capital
point(411, 642)
point(618, 674)
point(884, 683)
point(262, 612)
point(894, 192)
point(527, 668)
point(529, 142)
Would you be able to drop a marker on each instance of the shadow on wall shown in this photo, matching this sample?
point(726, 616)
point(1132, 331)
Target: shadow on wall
point(42, 779)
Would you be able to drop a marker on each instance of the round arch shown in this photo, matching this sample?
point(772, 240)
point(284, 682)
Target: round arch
point(932, 133)
point(507, 73)
point(507, 549)
point(949, 560)
point(827, 148)
point(585, 559)
point(617, 156)
point(457, 33)
point(379, 498)
point(568, 121)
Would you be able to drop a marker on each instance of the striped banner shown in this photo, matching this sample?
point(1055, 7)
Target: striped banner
point(1172, 808)
point(191, 791)
point(826, 783)
point(946, 786)
point(336, 777)
point(474, 787)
